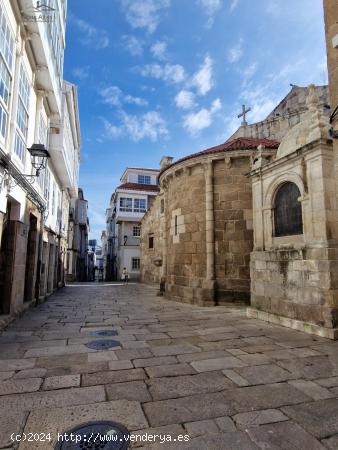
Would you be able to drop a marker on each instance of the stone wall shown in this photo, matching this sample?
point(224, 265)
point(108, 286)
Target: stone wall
point(294, 275)
point(233, 228)
point(287, 114)
point(186, 249)
point(300, 285)
point(204, 251)
point(152, 258)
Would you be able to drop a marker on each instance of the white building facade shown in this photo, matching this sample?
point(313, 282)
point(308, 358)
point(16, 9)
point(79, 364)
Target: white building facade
point(36, 107)
point(128, 204)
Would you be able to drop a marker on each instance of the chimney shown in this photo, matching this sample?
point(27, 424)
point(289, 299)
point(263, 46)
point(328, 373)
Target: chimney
point(165, 162)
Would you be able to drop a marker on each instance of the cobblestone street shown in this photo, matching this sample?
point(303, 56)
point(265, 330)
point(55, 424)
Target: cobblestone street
point(227, 381)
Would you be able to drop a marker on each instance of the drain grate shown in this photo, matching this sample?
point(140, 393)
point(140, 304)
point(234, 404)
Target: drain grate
point(95, 436)
point(104, 333)
point(103, 344)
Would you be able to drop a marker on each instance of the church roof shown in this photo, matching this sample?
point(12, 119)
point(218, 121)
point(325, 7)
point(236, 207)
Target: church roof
point(236, 144)
point(139, 187)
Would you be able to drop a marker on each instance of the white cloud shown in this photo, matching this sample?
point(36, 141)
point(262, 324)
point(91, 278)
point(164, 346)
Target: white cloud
point(202, 80)
point(185, 99)
point(144, 13)
point(150, 125)
point(133, 45)
point(159, 49)
point(113, 96)
point(236, 52)
point(249, 71)
point(194, 123)
point(172, 73)
point(210, 7)
point(233, 5)
point(89, 35)
point(81, 73)
point(112, 131)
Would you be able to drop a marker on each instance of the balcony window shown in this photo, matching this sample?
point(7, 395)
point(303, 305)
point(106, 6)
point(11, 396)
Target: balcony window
point(6, 39)
point(3, 122)
point(126, 204)
point(144, 179)
point(140, 205)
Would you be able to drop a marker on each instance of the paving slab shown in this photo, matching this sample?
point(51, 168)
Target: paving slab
point(159, 361)
point(63, 382)
point(283, 436)
point(180, 364)
point(113, 376)
point(319, 418)
point(267, 396)
point(52, 399)
point(182, 386)
point(257, 418)
point(264, 374)
point(19, 386)
point(11, 422)
point(201, 428)
point(172, 370)
point(59, 420)
point(188, 409)
point(132, 390)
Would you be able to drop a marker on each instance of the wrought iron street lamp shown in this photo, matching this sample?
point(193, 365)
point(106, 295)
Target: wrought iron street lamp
point(39, 156)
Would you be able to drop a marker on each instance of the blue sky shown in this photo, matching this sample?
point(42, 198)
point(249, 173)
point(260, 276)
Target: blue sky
point(168, 77)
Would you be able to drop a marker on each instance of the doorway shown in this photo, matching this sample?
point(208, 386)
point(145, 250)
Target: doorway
point(31, 258)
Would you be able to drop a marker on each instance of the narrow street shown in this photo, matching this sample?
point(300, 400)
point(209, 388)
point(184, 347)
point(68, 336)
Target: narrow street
point(225, 381)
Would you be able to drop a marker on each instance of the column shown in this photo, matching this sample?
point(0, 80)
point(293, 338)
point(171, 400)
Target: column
point(209, 220)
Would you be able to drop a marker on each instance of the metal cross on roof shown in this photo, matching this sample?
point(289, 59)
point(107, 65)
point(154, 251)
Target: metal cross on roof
point(243, 114)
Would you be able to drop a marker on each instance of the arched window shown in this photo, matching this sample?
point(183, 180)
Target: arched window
point(288, 211)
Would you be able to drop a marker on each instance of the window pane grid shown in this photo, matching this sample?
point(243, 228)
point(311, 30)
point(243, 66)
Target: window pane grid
point(126, 204)
point(139, 205)
point(3, 122)
point(19, 147)
point(144, 179)
point(135, 264)
point(6, 40)
point(136, 231)
point(5, 82)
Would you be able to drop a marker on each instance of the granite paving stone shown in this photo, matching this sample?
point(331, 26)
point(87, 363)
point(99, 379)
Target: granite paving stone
point(283, 436)
point(173, 370)
point(266, 374)
point(213, 369)
point(60, 419)
point(319, 418)
point(188, 409)
point(15, 386)
point(257, 418)
point(132, 390)
point(62, 382)
point(225, 424)
point(201, 428)
point(227, 362)
point(182, 386)
point(11, 422)
point(112, 376)
point(312, 389)
point(331, 443)
point(159, 361)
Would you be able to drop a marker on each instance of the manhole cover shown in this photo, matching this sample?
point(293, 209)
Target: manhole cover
point(95, 436)
point(103, 344)
point(104, 333)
